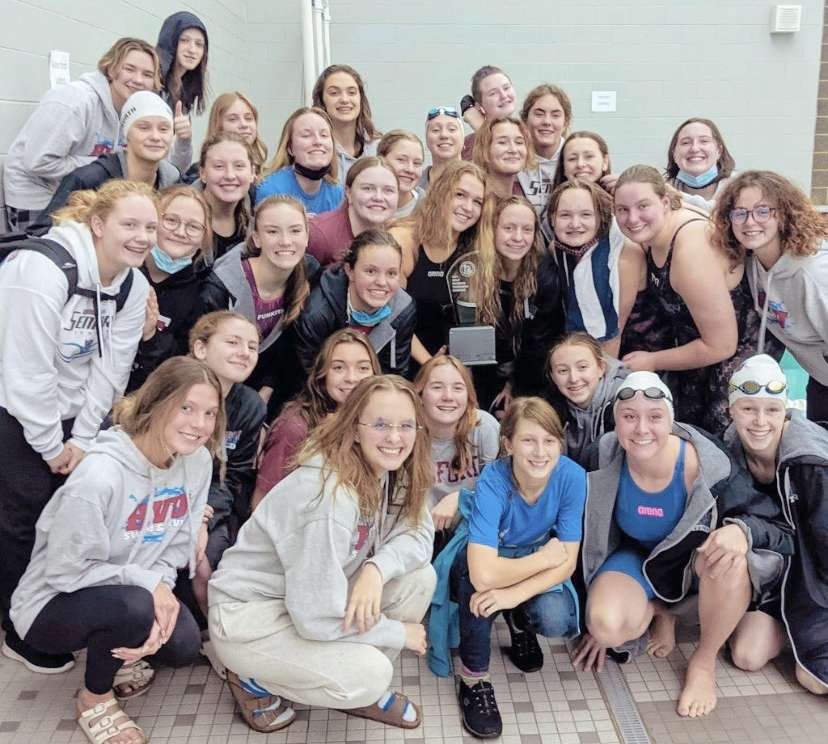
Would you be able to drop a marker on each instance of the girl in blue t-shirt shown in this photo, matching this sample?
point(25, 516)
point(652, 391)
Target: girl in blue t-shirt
point(305, 165)
point(524, 535)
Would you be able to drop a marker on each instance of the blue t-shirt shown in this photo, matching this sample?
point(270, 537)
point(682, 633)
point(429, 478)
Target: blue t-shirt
point(502, 518)
point(283, 181)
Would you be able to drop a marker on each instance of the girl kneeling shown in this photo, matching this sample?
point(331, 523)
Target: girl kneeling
point(111, 539)
point(330, 576)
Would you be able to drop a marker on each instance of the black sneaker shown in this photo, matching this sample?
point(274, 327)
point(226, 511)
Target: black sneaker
point(481, 718)
point(35, 661)
point(525, 652)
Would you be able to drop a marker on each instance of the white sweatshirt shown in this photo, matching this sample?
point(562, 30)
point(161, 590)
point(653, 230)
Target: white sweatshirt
point(51, 367)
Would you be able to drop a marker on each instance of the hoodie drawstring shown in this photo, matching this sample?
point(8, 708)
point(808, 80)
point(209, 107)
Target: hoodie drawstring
point(760, 347)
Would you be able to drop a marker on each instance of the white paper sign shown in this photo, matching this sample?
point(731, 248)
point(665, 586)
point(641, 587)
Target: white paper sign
point(58, 68)
point(603, 100)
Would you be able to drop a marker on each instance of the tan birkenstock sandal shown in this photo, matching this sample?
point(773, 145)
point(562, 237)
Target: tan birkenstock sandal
point(262, 714)
point(99, 723)
point(133, 680)
point(392, 714)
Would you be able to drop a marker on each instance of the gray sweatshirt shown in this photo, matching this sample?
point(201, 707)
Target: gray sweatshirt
point(305, 544)
point(795, 307)
point(72, 125)
point(118, 520)
point(484, 441)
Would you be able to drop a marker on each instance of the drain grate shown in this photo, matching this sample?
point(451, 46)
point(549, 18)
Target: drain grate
point(620, 701)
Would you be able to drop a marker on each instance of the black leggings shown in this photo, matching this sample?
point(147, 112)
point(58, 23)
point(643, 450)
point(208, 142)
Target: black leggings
point(105, 617)
point(817, 395)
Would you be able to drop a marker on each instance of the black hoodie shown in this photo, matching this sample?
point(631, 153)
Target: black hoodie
point(167, 48)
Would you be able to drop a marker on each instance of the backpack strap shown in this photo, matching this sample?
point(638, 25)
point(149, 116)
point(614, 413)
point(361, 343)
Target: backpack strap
point(53, 250)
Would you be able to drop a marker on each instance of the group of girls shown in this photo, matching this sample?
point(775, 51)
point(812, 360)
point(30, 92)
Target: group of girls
point(301, 293)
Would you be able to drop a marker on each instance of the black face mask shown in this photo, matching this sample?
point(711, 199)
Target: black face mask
point(315, 174)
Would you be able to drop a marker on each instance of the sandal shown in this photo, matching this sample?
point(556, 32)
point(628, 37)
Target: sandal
point(392, 714)
point(108, 724)
point(263, 714)
point(133, 680)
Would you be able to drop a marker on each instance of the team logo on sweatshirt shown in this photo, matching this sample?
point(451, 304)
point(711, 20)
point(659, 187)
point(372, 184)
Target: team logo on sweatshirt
point(777, 312)
point(231, 439)
point(103, 146)
point(169, 509)
point(360, 536)
point(445, 474)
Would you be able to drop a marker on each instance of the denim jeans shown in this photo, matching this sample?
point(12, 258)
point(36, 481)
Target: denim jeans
point(552, 614)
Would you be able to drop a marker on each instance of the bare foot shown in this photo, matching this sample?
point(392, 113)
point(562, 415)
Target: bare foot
point(809, 682)
point(662, 635)
point(698, 696)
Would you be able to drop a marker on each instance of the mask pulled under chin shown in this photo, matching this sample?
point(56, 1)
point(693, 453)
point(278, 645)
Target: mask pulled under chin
point(700, 181)
point(315, 174)
point(167, 264)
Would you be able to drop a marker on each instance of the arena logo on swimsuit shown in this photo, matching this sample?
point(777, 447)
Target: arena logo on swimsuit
point(650, 511)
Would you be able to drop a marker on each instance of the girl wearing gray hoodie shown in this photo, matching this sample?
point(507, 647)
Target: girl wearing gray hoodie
point(111, 540)
point(763, 219)
point(330, 577)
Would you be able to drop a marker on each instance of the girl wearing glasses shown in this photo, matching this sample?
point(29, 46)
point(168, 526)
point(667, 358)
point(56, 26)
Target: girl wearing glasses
point(440, 231)
point(345, 359)
point(340, 92)
point(371, 195)
point(708, 321)
point(172, 270)
point(587, 379)
point(763, 219)
point(444, 140)
point(523, 539)
point(331, 575)
point(787, 458)
point(363, 292)
point(698, 162)
point(547, 112)
point(404, 152)
point(502, 149)
point(267, 279)
point(664, 506)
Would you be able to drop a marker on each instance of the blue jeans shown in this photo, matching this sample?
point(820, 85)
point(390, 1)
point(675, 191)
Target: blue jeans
point(553, 614)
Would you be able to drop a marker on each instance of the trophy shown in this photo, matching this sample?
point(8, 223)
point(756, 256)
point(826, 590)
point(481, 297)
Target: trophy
point(470, 342)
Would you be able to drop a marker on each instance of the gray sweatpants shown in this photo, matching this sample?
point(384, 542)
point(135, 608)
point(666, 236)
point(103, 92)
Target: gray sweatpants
point(259, 640)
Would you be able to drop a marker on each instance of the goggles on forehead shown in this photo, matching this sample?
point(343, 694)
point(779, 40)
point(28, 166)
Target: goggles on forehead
point(653, 393)
point(442, 111)
point(749, 387)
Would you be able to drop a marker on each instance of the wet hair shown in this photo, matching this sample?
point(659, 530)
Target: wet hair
point(431, 222)
point(336, 440)
point(389, 139)
point(463, 445)
point(532, 409)
point(113, 58)
point(208, 325)
point(217, 112)
point(489, 269)
point(725, 163)
point(801, 226)
point(485, 136)
point(547, 89)
point(313, 404)
point(146, 411)
point(179, 191)
point(363, 164)
point(577, 338)
point(480, 75)
point(370, 238)
point(649, 175)
point(366, 131)
point(284, 157)
point(297, 288)
point(560, 175)
point(601, 203)
point(88, 203)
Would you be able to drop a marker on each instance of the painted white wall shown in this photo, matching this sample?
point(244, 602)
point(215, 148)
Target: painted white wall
point(666, 59)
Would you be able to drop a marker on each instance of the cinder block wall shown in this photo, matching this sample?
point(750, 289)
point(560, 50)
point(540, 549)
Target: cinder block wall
point(819, 184)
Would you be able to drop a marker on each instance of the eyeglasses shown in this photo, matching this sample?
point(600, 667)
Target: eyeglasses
point(760, 214)
point(653, 393)
point(749, 387)
point(442, 111)
point(172, 222)
point(406, 428)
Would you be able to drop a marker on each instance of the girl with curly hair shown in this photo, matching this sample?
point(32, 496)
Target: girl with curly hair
point(763, 218)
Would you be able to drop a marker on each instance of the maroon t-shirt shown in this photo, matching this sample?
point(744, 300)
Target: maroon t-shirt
point(330, 235)
point(268, 312)
point(287, 434)
point(468, 146)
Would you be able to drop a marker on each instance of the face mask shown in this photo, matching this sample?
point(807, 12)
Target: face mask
point(700, 181)
point(314, 174)
point(369, 319)
point(169, 265)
